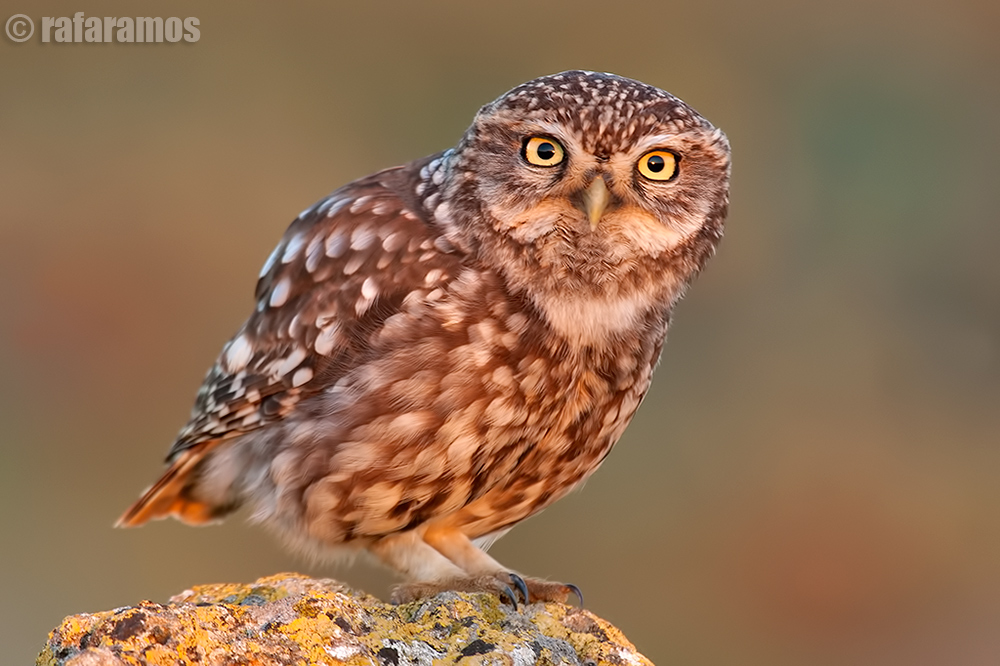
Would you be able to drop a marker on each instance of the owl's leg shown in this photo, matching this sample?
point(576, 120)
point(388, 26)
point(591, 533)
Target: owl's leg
point(430, 571)
point(411, 556)
point(459, 549)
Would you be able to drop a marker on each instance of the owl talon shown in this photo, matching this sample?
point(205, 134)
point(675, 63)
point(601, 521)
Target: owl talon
point(521, 586)
point(507, 594)
point(576, 591)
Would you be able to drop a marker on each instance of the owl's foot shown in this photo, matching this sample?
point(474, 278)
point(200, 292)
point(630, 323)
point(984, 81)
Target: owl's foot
point(547, 590)
point(447, 558)
point(503, 585)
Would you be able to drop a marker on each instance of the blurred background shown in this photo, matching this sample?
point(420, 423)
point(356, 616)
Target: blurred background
point(813, 478)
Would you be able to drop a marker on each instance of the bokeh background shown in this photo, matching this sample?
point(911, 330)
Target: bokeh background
point(813, 478)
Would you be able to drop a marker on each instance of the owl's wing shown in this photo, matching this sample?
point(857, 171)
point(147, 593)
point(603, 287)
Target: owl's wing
point(343, 267)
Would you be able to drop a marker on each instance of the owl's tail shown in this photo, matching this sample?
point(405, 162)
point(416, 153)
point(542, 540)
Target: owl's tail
point(171, 495)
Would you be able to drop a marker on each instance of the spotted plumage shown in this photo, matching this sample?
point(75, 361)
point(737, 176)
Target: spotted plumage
point(443, 349)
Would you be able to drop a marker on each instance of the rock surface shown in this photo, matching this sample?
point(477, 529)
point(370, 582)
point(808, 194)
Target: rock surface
point(291, 619)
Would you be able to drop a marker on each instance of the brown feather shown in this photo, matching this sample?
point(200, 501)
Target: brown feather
point(169, 495)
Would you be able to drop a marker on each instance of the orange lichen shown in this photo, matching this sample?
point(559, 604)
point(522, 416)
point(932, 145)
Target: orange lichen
point(290, 619)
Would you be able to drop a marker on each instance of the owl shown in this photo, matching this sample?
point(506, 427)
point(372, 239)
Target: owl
point(443, 349)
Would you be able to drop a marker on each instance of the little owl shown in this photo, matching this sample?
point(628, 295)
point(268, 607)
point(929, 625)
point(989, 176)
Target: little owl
point(444, 348)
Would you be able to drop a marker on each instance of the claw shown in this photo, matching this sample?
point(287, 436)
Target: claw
point(508, 594)
point(521, 586)
point(575, 590)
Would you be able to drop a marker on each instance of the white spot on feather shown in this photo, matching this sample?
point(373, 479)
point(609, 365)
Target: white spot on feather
point(237, 384)
point(362, 236)
point(279, 295)
point(336, 244)
point(238, 354)
point(294, 326)
point(295, 244)
point(393, 241)
point(323, 206)
point(368, 288)
point(283, 366)
point(353, 264)
point(314, 252)
point(269, 264)
point(433, 276)
point(359, 203)
point(301, 376)
point(333, 205)
point(327, 339)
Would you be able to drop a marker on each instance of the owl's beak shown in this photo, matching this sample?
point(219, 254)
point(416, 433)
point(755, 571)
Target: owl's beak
point(595, 199)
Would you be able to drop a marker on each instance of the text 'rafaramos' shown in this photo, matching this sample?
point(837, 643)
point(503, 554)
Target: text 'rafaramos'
point(126, 29)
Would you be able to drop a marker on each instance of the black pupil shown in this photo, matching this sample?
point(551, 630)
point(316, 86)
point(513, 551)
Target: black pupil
point(656, 163)
point(546, 150)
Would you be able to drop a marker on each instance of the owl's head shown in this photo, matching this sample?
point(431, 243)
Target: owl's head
point(591, 176)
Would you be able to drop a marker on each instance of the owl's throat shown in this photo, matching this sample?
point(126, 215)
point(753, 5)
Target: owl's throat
point(586, 320)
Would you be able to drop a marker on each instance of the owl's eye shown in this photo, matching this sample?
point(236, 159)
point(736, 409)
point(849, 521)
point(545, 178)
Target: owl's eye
point(543, 151)
point(658, 165)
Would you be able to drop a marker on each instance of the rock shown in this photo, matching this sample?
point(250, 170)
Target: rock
point(290, 619)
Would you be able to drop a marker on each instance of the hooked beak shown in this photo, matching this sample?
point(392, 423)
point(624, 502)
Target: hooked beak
point(595, 200)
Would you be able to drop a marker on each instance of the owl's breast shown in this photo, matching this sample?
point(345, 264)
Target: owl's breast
point(540, 408)
point(472, 408)
point(546, 423)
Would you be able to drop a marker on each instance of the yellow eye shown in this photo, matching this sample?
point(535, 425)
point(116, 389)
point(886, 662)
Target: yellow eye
point(658, 165)
point(543, 151)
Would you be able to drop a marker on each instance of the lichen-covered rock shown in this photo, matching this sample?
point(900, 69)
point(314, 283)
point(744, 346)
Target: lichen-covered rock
point(291, 619)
